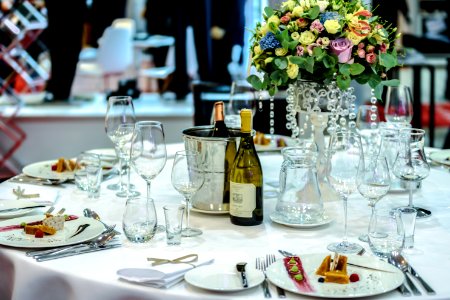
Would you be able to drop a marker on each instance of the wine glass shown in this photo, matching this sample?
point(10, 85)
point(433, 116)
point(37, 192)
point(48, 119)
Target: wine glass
point(373, 182)
point(344, 157)
point(367, 121)
point(148, 151)
point(187, 179)
point(242, 95)
point(411, 164)
point(119, 110)
point(399, 106)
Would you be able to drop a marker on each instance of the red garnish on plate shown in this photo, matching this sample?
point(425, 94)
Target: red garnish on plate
point(21, 226)
point(39, 234)
point(354, 277)
point(296, 272)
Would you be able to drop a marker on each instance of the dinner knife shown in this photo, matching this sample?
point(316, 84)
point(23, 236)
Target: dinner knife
point(76, 252)
point(425, 285)
point(19, 208)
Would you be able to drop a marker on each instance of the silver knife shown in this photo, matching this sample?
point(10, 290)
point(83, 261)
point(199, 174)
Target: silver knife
point(19, 208)
point(425, 285)
point(76, 252)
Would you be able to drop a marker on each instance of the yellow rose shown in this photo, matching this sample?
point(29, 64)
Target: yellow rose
point(307, 38)
point(297, 11)
point(292, 71)
point(354, 38)
point(295, 36)
point(281, 51)
point(322, 5)
point(290, 4)
point(273, 22)
point(268, 60)
point(332, 26)
point(305, 4)
point(257, 50)
point(263, 30)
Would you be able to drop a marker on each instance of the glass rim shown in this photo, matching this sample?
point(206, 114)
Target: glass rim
point(119, 98)
point(147, 122)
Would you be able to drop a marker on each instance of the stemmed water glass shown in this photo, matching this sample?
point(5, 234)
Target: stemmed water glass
point(411, 164)
point(187, 179)
point(242, 95)
point(120, 110)
point(148, 151)
point(399, 104)
point(344, 157)
point(373, 182)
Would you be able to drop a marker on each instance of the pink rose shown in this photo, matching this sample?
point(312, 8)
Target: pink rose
point(300, 50)
point(316, 26)
point(310, 48)
point(285, 19)
point(361, 53)
point(383, 48)
point(370, 48)
point(342, 47)
point(371, 58)
point(360, 45)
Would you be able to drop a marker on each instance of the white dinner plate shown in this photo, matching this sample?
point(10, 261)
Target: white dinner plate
point(441, 157)
point(277, 218)
point(371, 282)
point(18, 237)
point(274, 147)
point(220, 278)
point(210, 212)
point(8, 204)
point(43, 170)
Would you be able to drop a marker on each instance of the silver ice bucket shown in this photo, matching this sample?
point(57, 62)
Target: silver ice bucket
point(213, 195)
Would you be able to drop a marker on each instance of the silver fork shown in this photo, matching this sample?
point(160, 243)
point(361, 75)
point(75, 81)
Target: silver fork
point(270, 259)
point(261, 265)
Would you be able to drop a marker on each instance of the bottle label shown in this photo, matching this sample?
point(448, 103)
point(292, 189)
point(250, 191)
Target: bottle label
point(242, 199)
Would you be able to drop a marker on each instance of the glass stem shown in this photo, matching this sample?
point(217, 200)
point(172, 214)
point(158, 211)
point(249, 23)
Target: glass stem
point(128, 181)
point(149, 183)
point(411, 193)
point(344, 198)
point(187, 212)
point(120, 173)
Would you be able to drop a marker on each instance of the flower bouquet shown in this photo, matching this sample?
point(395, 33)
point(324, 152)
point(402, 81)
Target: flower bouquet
point(322, 41)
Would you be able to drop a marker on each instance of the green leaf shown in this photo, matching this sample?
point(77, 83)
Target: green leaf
point(281, 63)
point(343, 81)
point(356, 69)
point(392, 82)
point(388, 61)
point(318, 53)
point(344, 69)
point(309, 64)
point(273, 90)
point(378, 91)
point(255, 82)
point(298, 60)
point(313, 12)
point(269, 12)
point(292, 45)
point(329, 61)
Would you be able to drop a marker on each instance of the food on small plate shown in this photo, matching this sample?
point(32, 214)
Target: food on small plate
point(335, 270)
point(261, 139)
point(64, 165)
point(294, 267)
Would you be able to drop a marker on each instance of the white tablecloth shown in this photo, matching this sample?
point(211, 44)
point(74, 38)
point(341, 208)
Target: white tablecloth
point(93, 275)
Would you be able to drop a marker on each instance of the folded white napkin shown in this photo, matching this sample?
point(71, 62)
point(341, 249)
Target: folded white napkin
point(47, 195)
point(162, 276)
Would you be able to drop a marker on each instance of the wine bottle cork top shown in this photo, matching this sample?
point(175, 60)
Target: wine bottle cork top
point(218, 111)
point(246, 120)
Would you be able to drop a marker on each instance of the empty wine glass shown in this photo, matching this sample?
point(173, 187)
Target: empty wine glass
point(187, 179)
point(411, 164)
point(344, 157)
point(242, 95)
point(148, 151)
point(373, 182)
point(120, 110)
point(367, 121)
point(399, 104)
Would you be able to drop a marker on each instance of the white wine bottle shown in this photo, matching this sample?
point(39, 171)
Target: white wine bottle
point(246, 179)
point(220, 129)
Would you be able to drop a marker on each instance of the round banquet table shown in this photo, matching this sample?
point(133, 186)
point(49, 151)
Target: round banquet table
point(93, 275)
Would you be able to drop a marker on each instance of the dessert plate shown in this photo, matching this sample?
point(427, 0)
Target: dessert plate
point(371, 282)
point(106, 154)
point(222, 278)
point(441, 157)
point(8, 204)
point(18, 238)
point(43, 170)
point(277, 218)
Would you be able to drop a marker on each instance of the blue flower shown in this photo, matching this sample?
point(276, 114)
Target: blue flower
point(269, 42)
point(329, 15)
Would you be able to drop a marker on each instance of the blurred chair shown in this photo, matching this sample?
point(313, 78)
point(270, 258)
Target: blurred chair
point(127, 23)
point(114, 56)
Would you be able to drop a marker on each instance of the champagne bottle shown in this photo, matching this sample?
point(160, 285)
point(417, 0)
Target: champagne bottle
point(246, 179)
point(220, 129)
